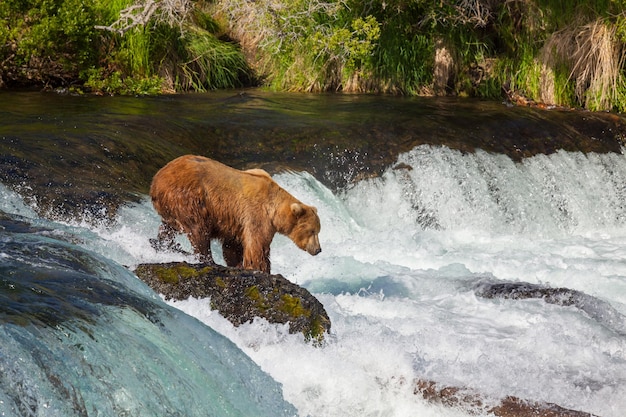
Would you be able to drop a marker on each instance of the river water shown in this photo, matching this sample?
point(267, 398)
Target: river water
point(412, 233)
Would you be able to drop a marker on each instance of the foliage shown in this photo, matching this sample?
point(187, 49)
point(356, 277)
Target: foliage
point(465, 47)
point(176, 45)
point(346, 48)
point(56, 43)
point(550, 51)
point(45, 41)
point(199, 60)
point(116, 83)
point(311, 45)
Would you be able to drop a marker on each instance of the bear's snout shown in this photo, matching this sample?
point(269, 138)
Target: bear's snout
point(313, 246)
point(314, 251)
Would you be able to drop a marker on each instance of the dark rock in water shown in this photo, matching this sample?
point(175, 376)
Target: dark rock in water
point(240, 295)
point(507, 407)
point(524, 290)
point(597, 309)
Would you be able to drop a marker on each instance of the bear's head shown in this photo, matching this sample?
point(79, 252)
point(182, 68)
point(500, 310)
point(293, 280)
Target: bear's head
point(306, 229)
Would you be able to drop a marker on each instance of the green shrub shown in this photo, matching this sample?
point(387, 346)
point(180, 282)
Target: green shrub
point(46, 41)
point(55, 42)
point(566, 53)
point(197, 60)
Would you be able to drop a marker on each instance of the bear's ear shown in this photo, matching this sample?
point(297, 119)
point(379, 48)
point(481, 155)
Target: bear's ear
point(297, 209)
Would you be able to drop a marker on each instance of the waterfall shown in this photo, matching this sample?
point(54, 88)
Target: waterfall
point(440, 188)
point(416, 241)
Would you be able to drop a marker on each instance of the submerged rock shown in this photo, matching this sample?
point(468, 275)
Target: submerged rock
point(240, 295)
point(507, 407)
point(525, 290)
point(597, 309)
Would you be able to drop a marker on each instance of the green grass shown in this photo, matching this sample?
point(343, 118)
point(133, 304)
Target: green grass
point(211, 63)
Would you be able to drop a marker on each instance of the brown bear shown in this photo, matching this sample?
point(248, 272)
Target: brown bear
point(243, 209)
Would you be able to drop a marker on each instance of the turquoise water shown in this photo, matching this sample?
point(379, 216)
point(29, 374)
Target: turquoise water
point(82, 336)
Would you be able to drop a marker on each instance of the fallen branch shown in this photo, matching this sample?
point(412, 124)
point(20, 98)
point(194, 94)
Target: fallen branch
point(132, 16)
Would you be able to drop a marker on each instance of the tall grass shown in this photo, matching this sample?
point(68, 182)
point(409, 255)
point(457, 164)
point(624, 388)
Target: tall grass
point(182, 55)
point(595, 57)
point(127, 54)
point(210, 63)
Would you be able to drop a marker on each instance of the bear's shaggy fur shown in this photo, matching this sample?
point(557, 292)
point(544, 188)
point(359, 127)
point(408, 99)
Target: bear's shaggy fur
point(243, 209)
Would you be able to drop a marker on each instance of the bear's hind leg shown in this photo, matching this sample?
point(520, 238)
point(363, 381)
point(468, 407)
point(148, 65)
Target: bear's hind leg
point(233, 253)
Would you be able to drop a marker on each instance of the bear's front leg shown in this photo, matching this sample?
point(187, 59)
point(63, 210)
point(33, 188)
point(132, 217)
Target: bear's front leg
point(201, 241)
point(256, 256)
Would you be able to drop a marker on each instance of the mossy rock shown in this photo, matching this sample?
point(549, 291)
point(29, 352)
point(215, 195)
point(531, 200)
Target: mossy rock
point(241, 295)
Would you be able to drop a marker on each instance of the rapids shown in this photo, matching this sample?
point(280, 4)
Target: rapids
point(405, 257)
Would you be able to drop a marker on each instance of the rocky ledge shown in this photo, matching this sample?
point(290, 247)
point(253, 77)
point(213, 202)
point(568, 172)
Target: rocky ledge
point(240, 295)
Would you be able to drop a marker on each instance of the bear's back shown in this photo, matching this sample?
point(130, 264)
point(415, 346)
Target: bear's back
point(200, 178)
point(258, 172)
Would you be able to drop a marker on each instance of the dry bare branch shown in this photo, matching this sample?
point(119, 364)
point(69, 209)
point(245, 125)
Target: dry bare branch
point(171, 12)
point(475, 12)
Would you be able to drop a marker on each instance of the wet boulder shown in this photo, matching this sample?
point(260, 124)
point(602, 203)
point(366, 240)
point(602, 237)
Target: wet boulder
point(240, 295)
point(594, 307)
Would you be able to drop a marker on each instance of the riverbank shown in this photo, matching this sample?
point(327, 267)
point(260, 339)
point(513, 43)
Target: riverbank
point(534, 51)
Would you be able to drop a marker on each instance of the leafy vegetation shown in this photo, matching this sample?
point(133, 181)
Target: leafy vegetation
point(86, 44)
point(45, 41)
point(563, 53)
point(543, 51)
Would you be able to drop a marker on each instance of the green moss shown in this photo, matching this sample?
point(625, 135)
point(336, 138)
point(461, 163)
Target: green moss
point(255, 295)
point(293, 306)
point(316, 331)
point(220, 282)
point(173, 275)
point(167, 275)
